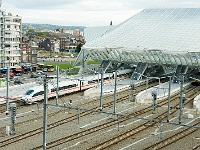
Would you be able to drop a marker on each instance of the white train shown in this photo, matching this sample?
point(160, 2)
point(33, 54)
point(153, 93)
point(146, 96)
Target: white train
point(36, 93)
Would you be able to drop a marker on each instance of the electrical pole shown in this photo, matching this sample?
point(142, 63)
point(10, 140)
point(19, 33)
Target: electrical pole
point(7, 86)
point(101, 95)
point(13, 117)
point(115, 90)
point(154, 95)
point(181, 99)
point(169, 94)
point(45, 112)
point(57, 88)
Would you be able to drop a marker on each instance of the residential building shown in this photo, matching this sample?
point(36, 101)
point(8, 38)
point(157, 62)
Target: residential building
point(76, 32)
point(10, 33)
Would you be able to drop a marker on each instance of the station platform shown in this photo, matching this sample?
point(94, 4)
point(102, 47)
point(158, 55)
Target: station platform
point(196, 103)
point(108, 88)
point(162, 91)
point(144, 97)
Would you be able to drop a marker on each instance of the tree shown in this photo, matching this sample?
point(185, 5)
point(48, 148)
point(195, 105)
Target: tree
point(41, 34)
point(78, 48)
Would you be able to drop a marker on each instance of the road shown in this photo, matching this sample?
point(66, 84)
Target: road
point(57, 60)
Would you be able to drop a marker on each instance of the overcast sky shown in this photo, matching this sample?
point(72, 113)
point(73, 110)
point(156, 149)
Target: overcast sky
point(82, 12)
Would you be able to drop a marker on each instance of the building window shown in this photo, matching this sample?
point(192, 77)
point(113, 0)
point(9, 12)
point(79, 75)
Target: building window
point(7, 45)
point(8, 26)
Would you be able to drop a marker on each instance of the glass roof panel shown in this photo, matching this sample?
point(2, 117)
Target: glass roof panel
point(166, 28)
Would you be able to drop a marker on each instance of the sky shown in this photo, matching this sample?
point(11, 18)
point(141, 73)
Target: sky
point(87, 13)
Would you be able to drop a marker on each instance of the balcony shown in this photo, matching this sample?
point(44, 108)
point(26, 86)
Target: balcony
point(12, 42)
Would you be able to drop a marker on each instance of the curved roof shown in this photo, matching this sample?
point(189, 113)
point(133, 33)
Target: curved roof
point(93, 33)
point(167, 28)
point(165, 36)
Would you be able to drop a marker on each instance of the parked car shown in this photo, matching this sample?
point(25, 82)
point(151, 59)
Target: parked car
point(12, 75)
point(18, 81)
point(27, 67)
point(18, 74)
point(2, 75)
point(37, 74)
point(45, 69)
point(3, 70)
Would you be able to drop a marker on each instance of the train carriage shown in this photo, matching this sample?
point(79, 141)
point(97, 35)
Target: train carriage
point(36, 93)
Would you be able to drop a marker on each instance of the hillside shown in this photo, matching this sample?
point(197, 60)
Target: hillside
point(51, 27)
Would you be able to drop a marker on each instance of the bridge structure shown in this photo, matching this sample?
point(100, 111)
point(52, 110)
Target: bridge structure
point(164, 37)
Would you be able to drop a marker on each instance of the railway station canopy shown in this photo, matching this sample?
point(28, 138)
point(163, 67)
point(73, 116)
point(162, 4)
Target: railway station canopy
point(158, 35)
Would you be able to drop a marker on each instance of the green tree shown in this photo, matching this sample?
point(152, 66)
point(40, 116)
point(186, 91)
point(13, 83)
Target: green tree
point(42, 34)
point(78, 48)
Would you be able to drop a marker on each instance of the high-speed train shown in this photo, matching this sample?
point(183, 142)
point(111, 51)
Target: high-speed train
point(36, 93)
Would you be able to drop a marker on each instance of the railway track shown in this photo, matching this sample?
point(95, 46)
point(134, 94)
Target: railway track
point(197, 147)
point(77, 135)
point(50, 126)
point(174, 138)
point(141, 128)
point(52, 100)
point(106, 125)
point(60, 122)
point(3, 106)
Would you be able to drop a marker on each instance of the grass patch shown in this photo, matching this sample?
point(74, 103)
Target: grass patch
point(67, 65)
point(61, 66)
point(93, 62)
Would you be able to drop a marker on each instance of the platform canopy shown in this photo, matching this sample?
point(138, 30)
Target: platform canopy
point(160, 35)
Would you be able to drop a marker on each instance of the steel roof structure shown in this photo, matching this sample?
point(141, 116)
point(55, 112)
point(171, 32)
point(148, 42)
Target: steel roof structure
point(165, 36)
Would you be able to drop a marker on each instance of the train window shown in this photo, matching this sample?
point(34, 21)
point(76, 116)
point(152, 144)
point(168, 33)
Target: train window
point(29, 92)
point(53, 90)
point(60, 88)
point(65, 87)
point(41, 92)
point(36, 94)
point(95, 80)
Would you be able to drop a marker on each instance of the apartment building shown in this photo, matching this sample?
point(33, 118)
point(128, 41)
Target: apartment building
point(10, 34)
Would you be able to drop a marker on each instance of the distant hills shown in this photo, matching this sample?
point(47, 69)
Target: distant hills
point(51, 27)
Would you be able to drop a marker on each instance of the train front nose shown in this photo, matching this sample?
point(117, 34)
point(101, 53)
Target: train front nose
point(25, 98)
